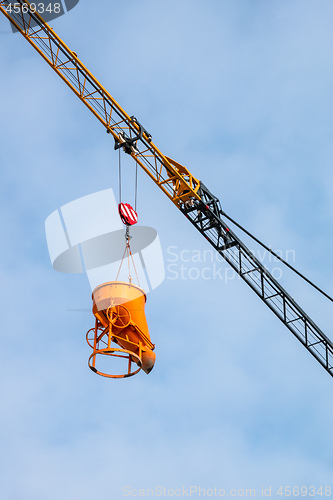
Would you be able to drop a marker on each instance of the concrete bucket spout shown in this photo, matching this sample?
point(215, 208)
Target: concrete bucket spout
point(121, 329)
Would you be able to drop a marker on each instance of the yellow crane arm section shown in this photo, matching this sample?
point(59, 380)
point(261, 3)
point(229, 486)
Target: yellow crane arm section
point(174, 179)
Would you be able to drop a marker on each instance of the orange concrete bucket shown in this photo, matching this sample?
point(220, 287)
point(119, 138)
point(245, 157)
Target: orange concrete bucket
point(121, 329)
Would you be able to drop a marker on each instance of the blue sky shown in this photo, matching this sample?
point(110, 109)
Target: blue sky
point(240, 92)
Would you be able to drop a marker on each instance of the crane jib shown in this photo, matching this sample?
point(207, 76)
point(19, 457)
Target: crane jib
point(191, 196)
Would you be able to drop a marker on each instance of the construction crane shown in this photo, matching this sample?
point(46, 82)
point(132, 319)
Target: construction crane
point(190, 196)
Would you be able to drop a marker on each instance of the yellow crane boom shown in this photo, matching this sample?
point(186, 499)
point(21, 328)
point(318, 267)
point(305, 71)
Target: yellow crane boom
point(174, 179)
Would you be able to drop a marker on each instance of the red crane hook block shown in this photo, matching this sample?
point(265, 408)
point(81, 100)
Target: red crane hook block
point(127, 214)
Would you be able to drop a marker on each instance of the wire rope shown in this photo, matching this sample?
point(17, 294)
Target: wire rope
point(277, 256)
point(136, 187)
point(119, 175)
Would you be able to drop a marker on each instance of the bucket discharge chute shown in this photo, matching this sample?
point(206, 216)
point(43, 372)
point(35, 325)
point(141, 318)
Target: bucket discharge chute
point(121, 329)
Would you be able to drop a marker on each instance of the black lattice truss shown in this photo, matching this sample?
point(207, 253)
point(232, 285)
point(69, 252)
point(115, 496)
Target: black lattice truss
point(207, 217)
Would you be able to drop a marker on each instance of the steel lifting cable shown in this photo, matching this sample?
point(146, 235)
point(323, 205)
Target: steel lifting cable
point(119, 175)
point(129, 255)
point(136, 186)
point(277, 256)
point(121, 263)
point(136, 182)
point(127, 236)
